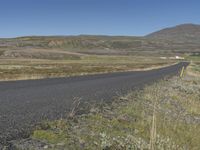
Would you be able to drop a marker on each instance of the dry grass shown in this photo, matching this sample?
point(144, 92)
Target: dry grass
point(21, 69)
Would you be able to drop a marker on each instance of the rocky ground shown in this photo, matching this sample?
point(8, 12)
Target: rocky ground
point(165, 115)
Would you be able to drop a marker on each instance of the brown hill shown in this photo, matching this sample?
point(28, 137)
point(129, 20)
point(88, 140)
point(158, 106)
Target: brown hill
point(182, 33)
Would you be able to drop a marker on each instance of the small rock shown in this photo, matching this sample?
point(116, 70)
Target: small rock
point(123, 118)
point(94, 110)
point(61, 144)
point(46, 146)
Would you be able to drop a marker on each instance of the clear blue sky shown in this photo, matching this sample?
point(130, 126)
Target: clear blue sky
point(107, 17)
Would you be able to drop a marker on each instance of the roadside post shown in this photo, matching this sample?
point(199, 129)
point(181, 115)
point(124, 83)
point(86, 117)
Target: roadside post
point(182, 71)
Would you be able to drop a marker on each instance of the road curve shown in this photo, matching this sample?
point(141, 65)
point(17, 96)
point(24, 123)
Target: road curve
point(25, 103)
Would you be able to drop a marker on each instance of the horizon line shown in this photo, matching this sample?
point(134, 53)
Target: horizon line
point(83, 34)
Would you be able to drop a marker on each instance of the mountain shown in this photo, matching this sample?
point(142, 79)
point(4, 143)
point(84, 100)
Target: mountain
point(177, 40)
point(182, 33)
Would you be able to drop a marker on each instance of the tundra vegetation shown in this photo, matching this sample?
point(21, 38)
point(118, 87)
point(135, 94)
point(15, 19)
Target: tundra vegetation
point(19, 69)
point(35, 57)
point(58, 56)
point(164, 115)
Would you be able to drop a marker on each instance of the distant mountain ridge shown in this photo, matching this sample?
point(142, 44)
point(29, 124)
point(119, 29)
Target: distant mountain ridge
point(176, 40)
point(183, 32)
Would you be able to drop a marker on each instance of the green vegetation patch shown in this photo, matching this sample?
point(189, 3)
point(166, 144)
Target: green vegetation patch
point(48, 136)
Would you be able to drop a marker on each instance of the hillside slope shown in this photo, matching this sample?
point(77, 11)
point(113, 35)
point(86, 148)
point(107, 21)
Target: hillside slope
point(170, 41)
point(182, 32)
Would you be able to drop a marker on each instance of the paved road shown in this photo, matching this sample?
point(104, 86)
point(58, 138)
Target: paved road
point(24, 103)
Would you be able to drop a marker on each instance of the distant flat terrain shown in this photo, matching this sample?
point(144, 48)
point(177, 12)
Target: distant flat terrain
point(25, 103)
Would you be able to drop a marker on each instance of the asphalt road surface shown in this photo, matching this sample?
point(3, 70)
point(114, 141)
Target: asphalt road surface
point(25, 103)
